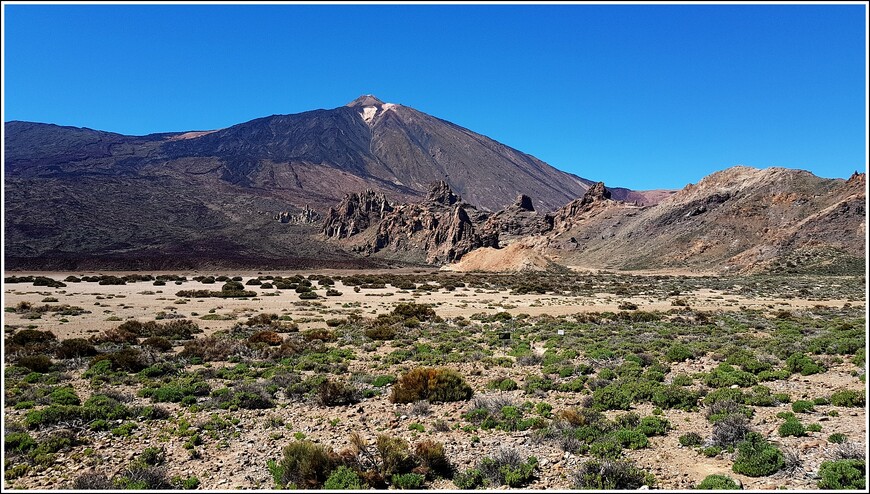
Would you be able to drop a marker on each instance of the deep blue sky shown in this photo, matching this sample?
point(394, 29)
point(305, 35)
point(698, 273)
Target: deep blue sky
point(649, 96)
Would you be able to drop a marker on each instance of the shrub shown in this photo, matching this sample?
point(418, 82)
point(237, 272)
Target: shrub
point(75, 347)
point(321, 334)
point(718, 483)
point(631, 439)
point(799, 362)
point(27, 337)
point(421, 312)
point(756, 457)
point(847, 398)
point(470, 479)
point(431, 384)
point(612, 397)
point(433, 459)
point(506, 467)
point(65, 396)
point(725, 376)
point(691, 439)
point(837, 438)
point(210, 348)
point(407, 480)
point(502, 384)
point(20, 442)
point(792, 427)
point(334, 393)
point(36, 363)
point(268, 337)
point(343, 478)
point(731, 430)
point(92, 481)
point(678, 353)
point(158, 343)
point(304, 465)
point(606, 448)
point(653, 426)
point(611, 475)
point(381, 332)
point(843, 474)
point(675, 397)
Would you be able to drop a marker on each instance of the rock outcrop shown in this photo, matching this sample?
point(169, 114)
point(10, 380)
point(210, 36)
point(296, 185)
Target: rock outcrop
point(442, 228)
point(305, 217)
point(355, 213)
point(570, 214)
point(516, 221)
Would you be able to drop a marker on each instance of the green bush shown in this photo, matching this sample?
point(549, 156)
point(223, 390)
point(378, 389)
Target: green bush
point(343, 478)
point(612, 397)
point(653, 426)
point(64, 396)
point(433, 385)
point(848, 398)
point(837, 438)
point(611, 475)
point(843, 474)
point(20, 442)
point(470, 479)
point(718, 483)
point(802, 406)
point(407, 480)
point(691, 439)
point(675, 397)
point(506, 467)
point(304, 464)
point(800, 363)
point(631, 439)
point(678, 353)
point(792, 428)
point(756, 457)
point(725, 376)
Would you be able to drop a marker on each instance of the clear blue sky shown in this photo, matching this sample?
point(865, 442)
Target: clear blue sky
point(649, 96)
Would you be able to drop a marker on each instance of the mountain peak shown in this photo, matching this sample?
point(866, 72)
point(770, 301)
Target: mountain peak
point(365, 100)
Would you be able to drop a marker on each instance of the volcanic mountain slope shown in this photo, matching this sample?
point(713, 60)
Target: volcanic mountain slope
point(742, 219)
point(82, 194)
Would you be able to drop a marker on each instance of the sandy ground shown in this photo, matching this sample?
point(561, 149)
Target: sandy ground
point(110, 304)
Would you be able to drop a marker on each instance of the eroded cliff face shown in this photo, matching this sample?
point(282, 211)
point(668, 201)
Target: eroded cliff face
point(516, 221)
point(441, 228)
point(355, 213)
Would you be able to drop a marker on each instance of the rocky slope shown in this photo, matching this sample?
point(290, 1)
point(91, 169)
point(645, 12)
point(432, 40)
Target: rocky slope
point(742, 219)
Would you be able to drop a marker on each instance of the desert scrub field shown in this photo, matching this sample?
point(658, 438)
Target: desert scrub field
point(430, 380)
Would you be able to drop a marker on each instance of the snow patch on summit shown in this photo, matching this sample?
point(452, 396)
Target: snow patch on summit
point(369, 113)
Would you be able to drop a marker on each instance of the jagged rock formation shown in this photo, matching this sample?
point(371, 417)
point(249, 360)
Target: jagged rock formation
point(355, 213)
point(306, 216)
point(572, 213)
point(440, 229)
point(441, 193)
point(516, 221)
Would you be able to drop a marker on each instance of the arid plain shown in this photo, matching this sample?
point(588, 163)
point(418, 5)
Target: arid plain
point(209, 376)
